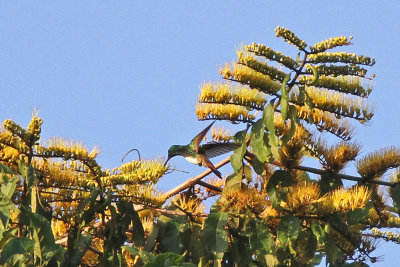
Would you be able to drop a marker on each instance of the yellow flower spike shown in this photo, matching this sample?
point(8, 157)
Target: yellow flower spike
point(338, 103)
point(338, 156)
point(250, 77)
point(343, 57)
point(145, 194)
point(241, 200)
point(226, 93)
point(185, 203)
point(290, 37)
point(292, 153)
point(302, 195)
point(34, 128)
point(344, 200)
point(9, 154)
point(138, 172)
point(326, 121)
point(272, 72)
point(377, 163)
point(220, 134)
point(336, 70)
point(330, 43)
point(268, 53)
point(223, 112)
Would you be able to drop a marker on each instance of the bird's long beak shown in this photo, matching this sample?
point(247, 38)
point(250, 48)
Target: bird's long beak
point(167, 161)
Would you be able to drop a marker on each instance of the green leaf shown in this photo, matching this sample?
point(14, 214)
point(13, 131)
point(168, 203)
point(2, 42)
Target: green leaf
point(233, 182)
point(332, 251)
point(215, 234)
point(237, 156)
point(258, 166)
point(5, 169)
point(293, 121)
point(94, 207)
point(259, 236)
point(166, 259)
point(151, 239)
point(285, 98)
point(262, 152)
point(169, 236)
point(78, 244)
point(45, 246)
point(126, 216)
point(277, 182)
point(305, 246)
point(27, 173)
point(318, 231)
point(17, 245)
point(138, 231)
point(146, 257)
point(288, 229)
point(268, 118)
point(6, 204)
point(360, 214)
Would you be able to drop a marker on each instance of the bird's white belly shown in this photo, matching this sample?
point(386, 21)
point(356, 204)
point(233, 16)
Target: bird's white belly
point(193, 160)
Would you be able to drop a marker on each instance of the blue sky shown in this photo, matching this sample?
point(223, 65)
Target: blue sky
point(126, 74)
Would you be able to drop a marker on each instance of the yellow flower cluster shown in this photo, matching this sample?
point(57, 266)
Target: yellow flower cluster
point(302, 195)
point(220, 134)
point(223, 112)
point(58, 147)
point(290, 37)
point(292, 153)
point(338, 156)
point(59, 229)
point(185, 203)
point(335, 70)
point(147, 222)
point(8, 139)
point(331, 43)
point(393, 221)
point(136, 172)
point(377, 163)
point(34, 128)
point(344, 200)
point(226, 93)
point(387, 235)
point(267, 52)
point(15, 129)
point(343, 57)
point(326, 121)
point(256, 65)
point(143, 194)
point(64, 208)
point(340, 104)
point(238, 201)
point(63, 173)
point(345, 84)
point(9, 154)
point(250, 77)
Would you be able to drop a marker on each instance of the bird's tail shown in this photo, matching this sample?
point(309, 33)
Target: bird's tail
point(206, 162)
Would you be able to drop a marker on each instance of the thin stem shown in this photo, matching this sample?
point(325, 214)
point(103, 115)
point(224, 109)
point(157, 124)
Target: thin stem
point(339, 175)
point(194, 180)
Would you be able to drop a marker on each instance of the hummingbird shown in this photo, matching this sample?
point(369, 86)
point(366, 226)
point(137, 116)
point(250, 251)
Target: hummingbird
point(200, 154)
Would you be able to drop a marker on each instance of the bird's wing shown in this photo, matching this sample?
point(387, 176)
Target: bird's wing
point(206, 162)
point(197, 139)
point(215, 149)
